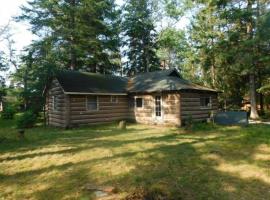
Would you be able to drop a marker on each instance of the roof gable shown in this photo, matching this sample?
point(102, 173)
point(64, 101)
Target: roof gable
point(74, 82)
point(166, 80)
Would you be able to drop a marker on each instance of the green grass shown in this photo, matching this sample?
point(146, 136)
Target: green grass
point(210, 162)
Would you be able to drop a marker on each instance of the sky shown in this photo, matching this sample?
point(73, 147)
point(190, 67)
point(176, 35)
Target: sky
point(21, 35)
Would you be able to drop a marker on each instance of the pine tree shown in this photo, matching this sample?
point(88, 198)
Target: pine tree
point(228, 39)
point(139, 37)
point(81, 31)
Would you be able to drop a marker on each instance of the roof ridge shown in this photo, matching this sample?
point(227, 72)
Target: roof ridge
point(155, 72)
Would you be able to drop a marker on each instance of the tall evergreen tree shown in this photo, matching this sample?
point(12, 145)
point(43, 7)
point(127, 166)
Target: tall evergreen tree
point(82, 31)
point(139, 37)
point(227, 37)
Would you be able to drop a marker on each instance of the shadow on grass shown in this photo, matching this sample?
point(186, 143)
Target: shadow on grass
point(42, 136)
point(175, 162)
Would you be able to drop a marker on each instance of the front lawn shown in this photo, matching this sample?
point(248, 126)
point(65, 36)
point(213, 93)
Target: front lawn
point(207, 163)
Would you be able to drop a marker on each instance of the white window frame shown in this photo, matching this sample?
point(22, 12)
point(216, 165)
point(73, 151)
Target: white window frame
point(210, 102)
point(86, 104)
point(116, 98)
point(135, 103)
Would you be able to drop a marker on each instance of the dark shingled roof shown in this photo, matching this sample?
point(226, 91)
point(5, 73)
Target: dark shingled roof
point(165, 80)
point(81, 82)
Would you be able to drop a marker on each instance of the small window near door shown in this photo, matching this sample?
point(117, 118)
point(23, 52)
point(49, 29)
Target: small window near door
point(54, 104)
point(139, 102)
point(114, 99)
point(92, 103)
point(205, 102)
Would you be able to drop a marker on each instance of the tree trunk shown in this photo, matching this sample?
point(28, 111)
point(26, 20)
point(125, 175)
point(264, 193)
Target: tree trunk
point(252, 91)
point(261, 100)
point(252, 84)
point(72, 42)
point(213, 67)
point(213, 75)
point(147, 59)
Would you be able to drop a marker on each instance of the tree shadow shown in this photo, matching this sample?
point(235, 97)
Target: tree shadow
point(182, 170)
point(187, 165)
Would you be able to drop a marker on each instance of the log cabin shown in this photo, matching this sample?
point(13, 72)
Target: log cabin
point(161, 97)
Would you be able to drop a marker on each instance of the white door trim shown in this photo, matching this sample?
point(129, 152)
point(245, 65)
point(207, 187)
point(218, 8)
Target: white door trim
point(158, 118)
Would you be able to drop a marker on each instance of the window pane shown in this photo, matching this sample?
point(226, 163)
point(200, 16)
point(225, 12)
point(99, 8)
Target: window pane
point(54, 102)
point(92, 103)
point(139, 102)
point(114, 99)
point(205, 102)
point(158, 105)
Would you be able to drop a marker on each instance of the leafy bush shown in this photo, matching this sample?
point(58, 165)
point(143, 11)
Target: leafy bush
point(188, 123)
point(8, 112)
point(27, 120)
point(266, 115)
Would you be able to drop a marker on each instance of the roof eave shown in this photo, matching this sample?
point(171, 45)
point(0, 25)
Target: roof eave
point(94, 93)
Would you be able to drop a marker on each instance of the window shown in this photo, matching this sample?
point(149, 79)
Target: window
point(54, 104)
point(158, 106)
point(139, 102)
point(205, 102)
point(114, 99)
point(92, 103)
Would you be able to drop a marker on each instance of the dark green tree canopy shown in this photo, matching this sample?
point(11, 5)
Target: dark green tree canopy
point(139, 37)
point(84, 33)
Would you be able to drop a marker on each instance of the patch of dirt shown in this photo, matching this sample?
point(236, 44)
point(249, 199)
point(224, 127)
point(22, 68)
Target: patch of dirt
point(144, 194)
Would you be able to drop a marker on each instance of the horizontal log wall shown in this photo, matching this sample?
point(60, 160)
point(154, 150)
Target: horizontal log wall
point(144, 114)
point(190, 106)
point(107, 111)
point(170, 109)
point(56, 117)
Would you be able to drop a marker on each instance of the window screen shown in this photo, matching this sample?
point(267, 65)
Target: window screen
point(158, 106)
point(114, 99)
point(205, 102)
point(139, 102)
point(92, 103)
point(54, 104)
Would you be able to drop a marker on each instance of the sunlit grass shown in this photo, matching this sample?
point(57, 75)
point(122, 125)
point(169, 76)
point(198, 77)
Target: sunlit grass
point(209, 162)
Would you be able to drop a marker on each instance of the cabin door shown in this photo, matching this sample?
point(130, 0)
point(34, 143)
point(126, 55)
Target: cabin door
point(158, 108)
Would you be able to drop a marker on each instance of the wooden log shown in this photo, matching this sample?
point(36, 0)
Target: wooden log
point(98, 120)
point(98, 116)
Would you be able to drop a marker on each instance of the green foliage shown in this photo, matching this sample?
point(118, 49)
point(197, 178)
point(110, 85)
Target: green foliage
point(172, 47)
point(77, 35)
point(80, 34)
point(188, 123)
point(228, 44)
point(139, 37)
point(8, 112)
point(26, 120)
